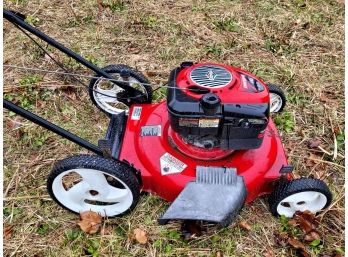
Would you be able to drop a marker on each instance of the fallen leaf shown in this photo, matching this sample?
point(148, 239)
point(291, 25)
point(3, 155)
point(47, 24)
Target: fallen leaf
point(306, 220)
point(219, 254)
point(296, 244)
point(15, 124)
point(190, 229)
point(323, 98)
point(66, 118)
point(269, 253)
point(309, 216)
point(311, 236)
point(245, 225)
point(314, 143)
point(281, 239)
point(305, 225)
point(8, 229)
point(292, 222)
point(90, 222)
point(140, 236)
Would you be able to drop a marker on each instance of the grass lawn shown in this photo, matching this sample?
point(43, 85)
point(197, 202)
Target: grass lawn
point(296, 44)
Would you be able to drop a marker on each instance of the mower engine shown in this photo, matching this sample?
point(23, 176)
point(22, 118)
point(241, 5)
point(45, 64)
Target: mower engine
point(214, 106)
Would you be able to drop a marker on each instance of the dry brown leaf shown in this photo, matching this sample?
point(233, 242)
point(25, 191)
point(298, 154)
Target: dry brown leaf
point(314, 143)
point(15, 124)
point(140, 236)
point(219, 254)
point(8, 229)
point(306, 221)
point(90, 222)
point(269, 253)
point(66, 118)
point(305, 225)
point(313, 235)
point(323, 98)
point(281, 239)
point(292, 222)
point(296, 244)
point(311, 217)
point(243, 224)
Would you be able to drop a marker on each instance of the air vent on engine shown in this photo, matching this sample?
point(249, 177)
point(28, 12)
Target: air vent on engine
point(211, 76)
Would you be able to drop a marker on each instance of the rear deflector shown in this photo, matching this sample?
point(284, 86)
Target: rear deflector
point(216, 196)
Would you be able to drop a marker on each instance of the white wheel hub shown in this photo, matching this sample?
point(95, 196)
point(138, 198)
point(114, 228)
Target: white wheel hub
point(93, 192)
point(105, 93)
point(276, 102)
point(304, 201)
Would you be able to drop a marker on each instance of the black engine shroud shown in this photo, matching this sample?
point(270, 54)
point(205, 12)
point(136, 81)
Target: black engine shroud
point(207, 122)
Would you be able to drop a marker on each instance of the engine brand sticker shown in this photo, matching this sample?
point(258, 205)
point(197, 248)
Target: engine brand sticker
point(136, 113)
point(151, 131)
point(188, 122)
point(209, 123)
point(171, 165)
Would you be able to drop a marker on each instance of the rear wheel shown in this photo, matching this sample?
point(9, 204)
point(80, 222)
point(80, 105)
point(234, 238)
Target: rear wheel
point(277, 98)
point(299, 195)
point(93, 183)
point(111, 98)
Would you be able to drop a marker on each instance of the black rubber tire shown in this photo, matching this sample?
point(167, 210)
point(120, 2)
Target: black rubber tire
point(117, 68)
point(115, 168)
point(285, 189)
point(277, 90)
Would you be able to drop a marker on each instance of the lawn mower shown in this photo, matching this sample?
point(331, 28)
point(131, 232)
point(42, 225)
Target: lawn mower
point(210, 147)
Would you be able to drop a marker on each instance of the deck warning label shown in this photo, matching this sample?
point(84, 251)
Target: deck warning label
point(171, 165)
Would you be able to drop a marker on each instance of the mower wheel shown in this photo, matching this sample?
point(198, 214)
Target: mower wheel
point(93, 183)
point(277, 98)
point(299, 195)
point(109, 98)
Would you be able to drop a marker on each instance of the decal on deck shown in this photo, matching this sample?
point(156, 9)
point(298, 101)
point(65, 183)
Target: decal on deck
point(171, 165)
point(136, 113)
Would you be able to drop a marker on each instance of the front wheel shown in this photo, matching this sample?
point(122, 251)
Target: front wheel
point(304, 194)
point(93, 183)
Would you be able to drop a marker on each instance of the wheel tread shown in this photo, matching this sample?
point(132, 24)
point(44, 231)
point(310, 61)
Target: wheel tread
point(117, 168)
point(277, 90)
point(285, 189)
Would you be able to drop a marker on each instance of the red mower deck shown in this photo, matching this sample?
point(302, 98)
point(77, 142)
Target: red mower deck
point(259, 167)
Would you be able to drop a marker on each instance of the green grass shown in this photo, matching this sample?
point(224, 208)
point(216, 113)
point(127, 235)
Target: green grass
point(295, 44)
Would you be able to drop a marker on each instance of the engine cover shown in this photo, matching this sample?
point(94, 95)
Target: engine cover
point(225, 104)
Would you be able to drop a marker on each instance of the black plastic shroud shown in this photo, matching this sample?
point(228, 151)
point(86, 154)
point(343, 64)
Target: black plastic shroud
point(236, 126)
